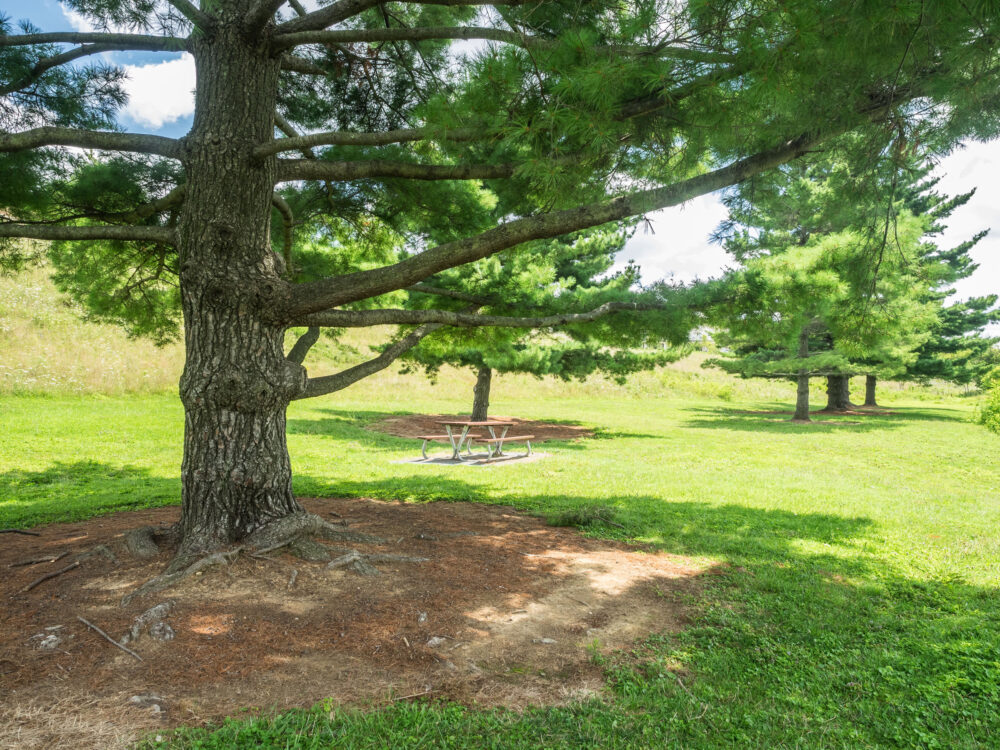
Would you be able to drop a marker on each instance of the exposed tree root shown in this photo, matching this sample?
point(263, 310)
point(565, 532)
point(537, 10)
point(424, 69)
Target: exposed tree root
point(140, 543)
point(296, 532)
point(147, 620)
point(169, 579)
point(362, 564)
point(289, 529)
point(98, 549)
point(309, 550)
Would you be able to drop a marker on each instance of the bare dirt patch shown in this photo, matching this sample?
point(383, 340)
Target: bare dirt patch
point(412, 425)
point(506, 611)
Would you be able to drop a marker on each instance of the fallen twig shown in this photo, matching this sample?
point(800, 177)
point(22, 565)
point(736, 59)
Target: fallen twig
point(47, 576)
point(19, 531)
point(38, 560)
point(414, 695)
point(108, 638)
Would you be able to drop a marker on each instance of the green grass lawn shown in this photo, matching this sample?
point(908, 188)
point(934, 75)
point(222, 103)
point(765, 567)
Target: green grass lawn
point(859, 605)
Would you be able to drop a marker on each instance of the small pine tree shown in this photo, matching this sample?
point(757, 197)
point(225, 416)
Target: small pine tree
point(552, 278)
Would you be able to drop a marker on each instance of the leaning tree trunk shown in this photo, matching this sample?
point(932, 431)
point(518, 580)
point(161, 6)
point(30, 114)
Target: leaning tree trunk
point(838, 393)
point(802, 393)
point(481, 394)
point(870, 382)
point(236, 385)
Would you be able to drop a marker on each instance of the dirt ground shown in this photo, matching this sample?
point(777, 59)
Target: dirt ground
point(505, 611)
point(412, 425)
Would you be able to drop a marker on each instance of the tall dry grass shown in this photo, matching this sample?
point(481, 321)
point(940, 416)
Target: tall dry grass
point(46, 347)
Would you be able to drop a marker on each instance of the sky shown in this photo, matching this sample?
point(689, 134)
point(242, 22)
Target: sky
point(674, 244)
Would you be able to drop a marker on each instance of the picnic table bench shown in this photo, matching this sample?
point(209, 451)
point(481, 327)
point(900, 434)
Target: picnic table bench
point(494, 442)
point(428, 438)
point(497, 443)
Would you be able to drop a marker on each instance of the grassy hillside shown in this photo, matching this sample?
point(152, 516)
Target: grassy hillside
point(47, 348)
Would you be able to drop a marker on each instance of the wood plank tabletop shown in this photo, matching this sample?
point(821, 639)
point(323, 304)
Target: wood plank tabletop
point(464, 423)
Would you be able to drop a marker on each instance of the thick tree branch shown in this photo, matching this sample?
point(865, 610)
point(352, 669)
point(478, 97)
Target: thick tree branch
point(344, 9)
point(331, 14)
point(96, 232)
point(364, 318)
point(338, 171)
point(301, 348)
point(350, 36)
point(108, 141)
point(332, 292)
point(484, 33)
point(113, 41)
point(330, 383)
point(262, 12)
point(199, 18)
point(174, 198)
point(47, 63)
point(340, 138)
point(301, 65)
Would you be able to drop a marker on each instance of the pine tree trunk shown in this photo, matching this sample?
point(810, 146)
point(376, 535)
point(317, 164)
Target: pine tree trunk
point(236, 474)
point(802, 393)
point(481, 394)
point(838, 393)
point(870, 382)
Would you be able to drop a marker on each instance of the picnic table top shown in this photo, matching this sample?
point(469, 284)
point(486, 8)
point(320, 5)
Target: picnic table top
point(469, 423)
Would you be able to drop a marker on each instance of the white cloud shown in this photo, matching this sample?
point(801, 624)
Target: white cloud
point(678, 244)
point(162, 93)
point(77, 21)
point(975, 166)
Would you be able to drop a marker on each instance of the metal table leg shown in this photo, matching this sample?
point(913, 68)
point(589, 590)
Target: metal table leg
point(456, 448)
point(497, 450)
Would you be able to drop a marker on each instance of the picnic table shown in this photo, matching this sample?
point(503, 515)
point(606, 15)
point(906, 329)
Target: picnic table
point(491, 425)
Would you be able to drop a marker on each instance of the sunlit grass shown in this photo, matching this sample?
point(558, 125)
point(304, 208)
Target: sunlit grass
point(858, 601)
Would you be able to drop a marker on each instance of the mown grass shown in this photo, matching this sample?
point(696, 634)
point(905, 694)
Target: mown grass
point(856, 604)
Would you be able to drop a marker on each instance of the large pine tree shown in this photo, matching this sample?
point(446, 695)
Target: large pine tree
point(837, 277)
point(572, 114)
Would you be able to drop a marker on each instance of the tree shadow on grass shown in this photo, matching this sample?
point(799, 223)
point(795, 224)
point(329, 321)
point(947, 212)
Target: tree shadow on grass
point(721, 418)
point(352, 424)
point(72, 490)
point(801, 624)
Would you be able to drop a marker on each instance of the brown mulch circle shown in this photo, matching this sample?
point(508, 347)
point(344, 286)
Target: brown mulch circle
point(412, 425)
point(506, 611)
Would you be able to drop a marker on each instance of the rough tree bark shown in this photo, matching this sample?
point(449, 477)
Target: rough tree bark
point(481, 394)
point(870, 382)
point(237, 383)
point(838, 393)
point(802, 393)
